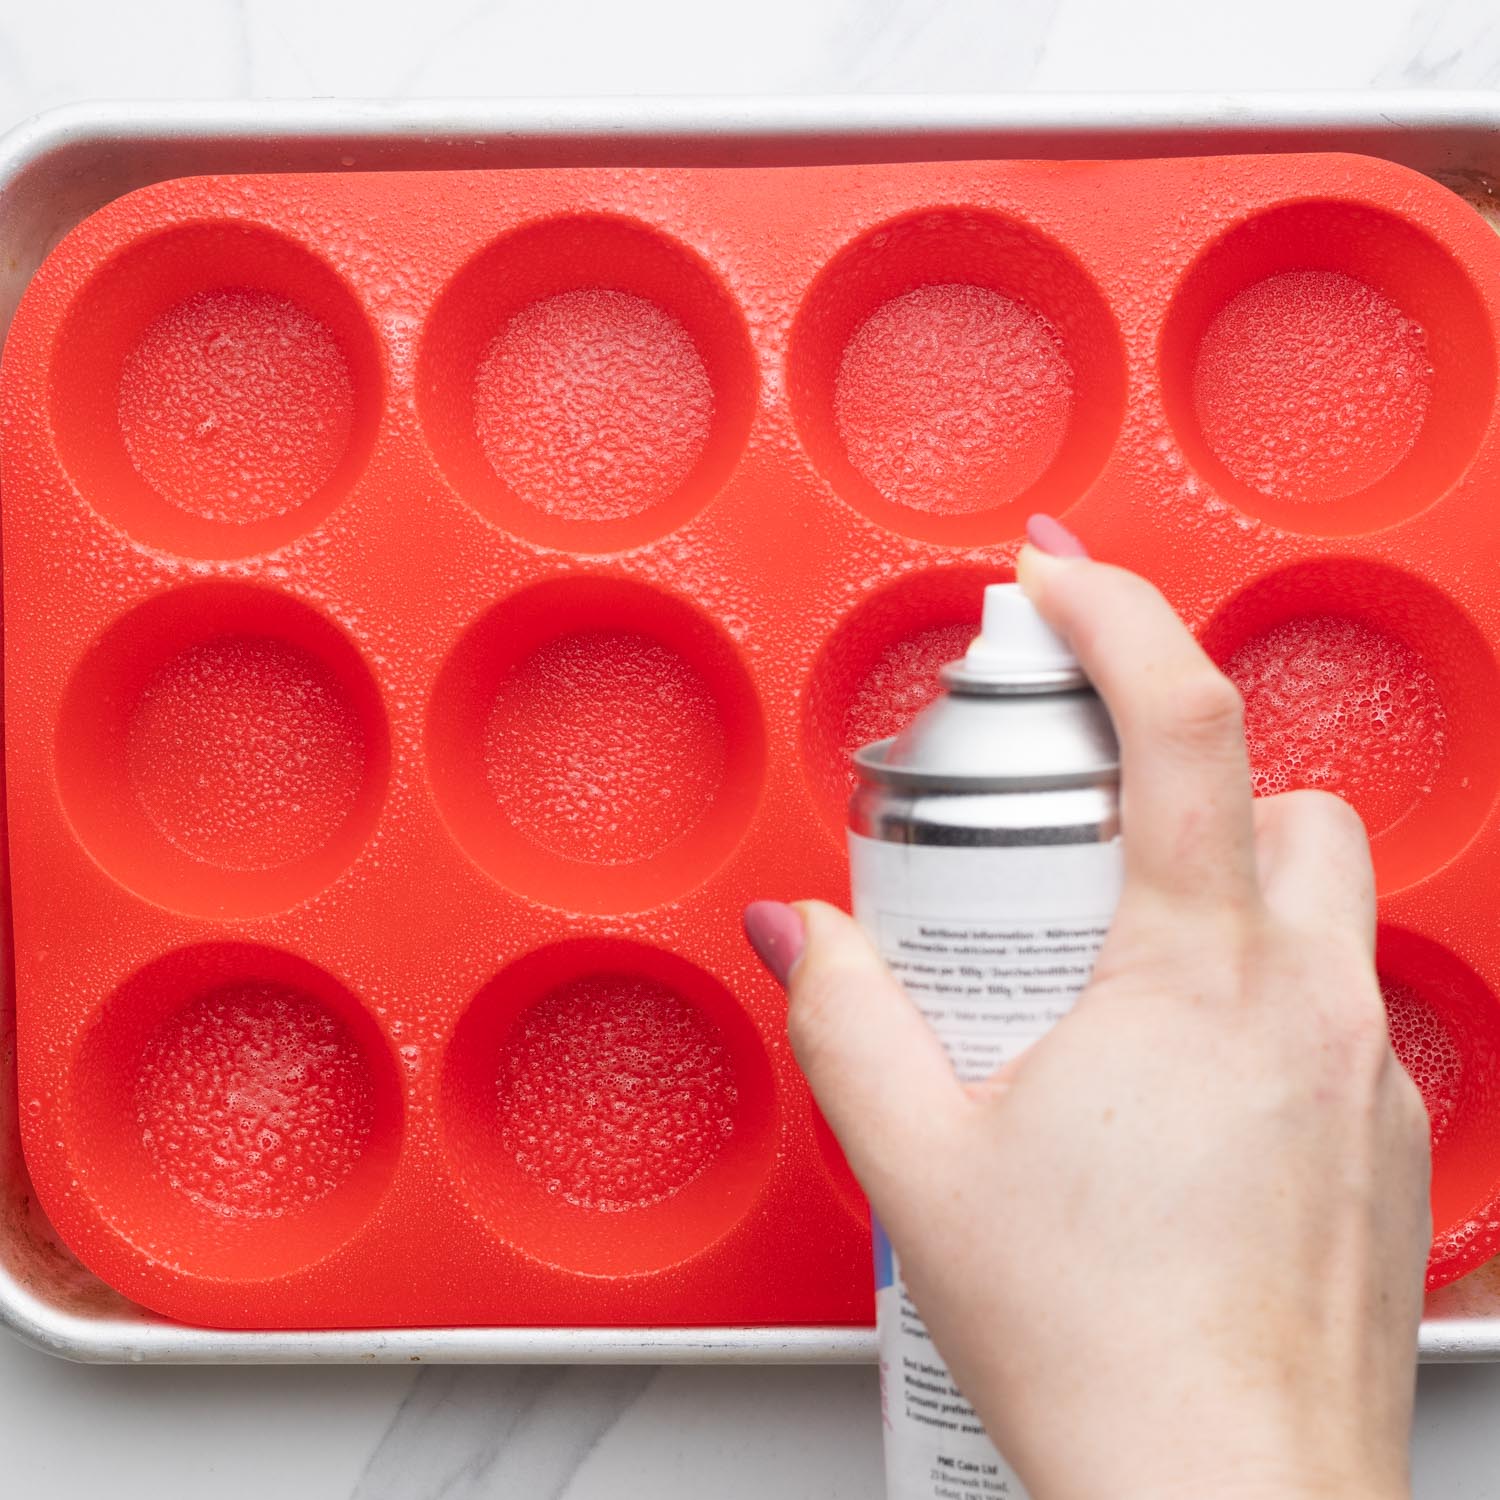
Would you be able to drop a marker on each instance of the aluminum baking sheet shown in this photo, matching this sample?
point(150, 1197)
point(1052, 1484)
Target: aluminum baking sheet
point(60, 167)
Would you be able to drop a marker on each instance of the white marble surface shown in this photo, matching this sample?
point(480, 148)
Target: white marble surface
point(380, 1434)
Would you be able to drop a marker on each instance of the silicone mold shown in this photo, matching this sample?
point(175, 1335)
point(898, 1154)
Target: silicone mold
point(436, 603)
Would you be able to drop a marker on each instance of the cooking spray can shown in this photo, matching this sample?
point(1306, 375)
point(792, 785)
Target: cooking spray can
point(985, 861)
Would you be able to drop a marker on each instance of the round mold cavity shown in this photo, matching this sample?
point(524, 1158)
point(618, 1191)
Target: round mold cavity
point(215, 390)
point(1328, 367)
point(1366, 681)
point(587, 382)
point(608, 1108)
point(951, 370)
point(222, 751)
point(595, 744)
point(1445, 1025)
point(879, 670)
point(236, 1113)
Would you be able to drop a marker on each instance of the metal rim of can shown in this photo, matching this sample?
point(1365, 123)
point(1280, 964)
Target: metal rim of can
point(870, 764)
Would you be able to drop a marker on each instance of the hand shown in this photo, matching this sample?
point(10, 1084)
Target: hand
point(1176, 1249)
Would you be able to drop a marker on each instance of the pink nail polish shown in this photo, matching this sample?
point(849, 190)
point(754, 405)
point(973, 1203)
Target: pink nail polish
point(777, 934)
point(1048, 534)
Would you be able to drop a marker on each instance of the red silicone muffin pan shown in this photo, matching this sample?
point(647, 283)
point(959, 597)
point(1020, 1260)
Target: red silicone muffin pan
point(435, 604)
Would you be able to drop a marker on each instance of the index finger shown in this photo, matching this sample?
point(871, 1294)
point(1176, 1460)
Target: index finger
point(1184, 775)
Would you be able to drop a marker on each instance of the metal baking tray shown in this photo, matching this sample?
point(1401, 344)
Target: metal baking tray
point(60, 167)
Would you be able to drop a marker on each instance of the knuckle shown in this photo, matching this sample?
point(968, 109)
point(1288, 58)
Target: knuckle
point(1336, 811)
point(1206, 713)
point(1353, 1011)
point(1330, 814)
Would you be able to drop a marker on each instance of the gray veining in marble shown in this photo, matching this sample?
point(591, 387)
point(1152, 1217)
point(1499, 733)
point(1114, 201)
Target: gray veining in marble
point(465, 1433)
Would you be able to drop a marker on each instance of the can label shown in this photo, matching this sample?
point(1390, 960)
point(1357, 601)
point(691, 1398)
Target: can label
point(994, 945)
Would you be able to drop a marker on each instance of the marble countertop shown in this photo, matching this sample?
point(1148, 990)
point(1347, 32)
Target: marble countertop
point(587, 1434)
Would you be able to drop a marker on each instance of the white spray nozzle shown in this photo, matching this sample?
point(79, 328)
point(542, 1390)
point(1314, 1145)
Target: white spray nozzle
point(1014, 640)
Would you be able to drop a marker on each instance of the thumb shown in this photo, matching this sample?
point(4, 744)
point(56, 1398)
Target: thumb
point(878, 1072)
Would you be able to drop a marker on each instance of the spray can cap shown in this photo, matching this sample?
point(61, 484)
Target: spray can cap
point(1015, 648)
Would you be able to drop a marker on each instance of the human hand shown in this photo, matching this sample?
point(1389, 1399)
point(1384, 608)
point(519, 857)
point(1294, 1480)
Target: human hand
point(1176, 1248)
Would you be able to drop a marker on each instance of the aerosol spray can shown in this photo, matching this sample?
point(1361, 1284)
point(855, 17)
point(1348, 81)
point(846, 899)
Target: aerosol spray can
point(985, 859)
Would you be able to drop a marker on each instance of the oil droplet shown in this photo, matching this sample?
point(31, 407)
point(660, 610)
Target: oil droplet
point(615, 1092)
point(1334, 703)
point(1311, 385)
point(604, 746)
point(236, 406)
point(245, 752)
point(1427, 1052)
point(593, 405)
point(953, 399)
point(254, 1102)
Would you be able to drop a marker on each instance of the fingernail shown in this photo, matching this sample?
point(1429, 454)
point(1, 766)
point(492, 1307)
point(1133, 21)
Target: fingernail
point(777, 933)
point(1049, 535)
